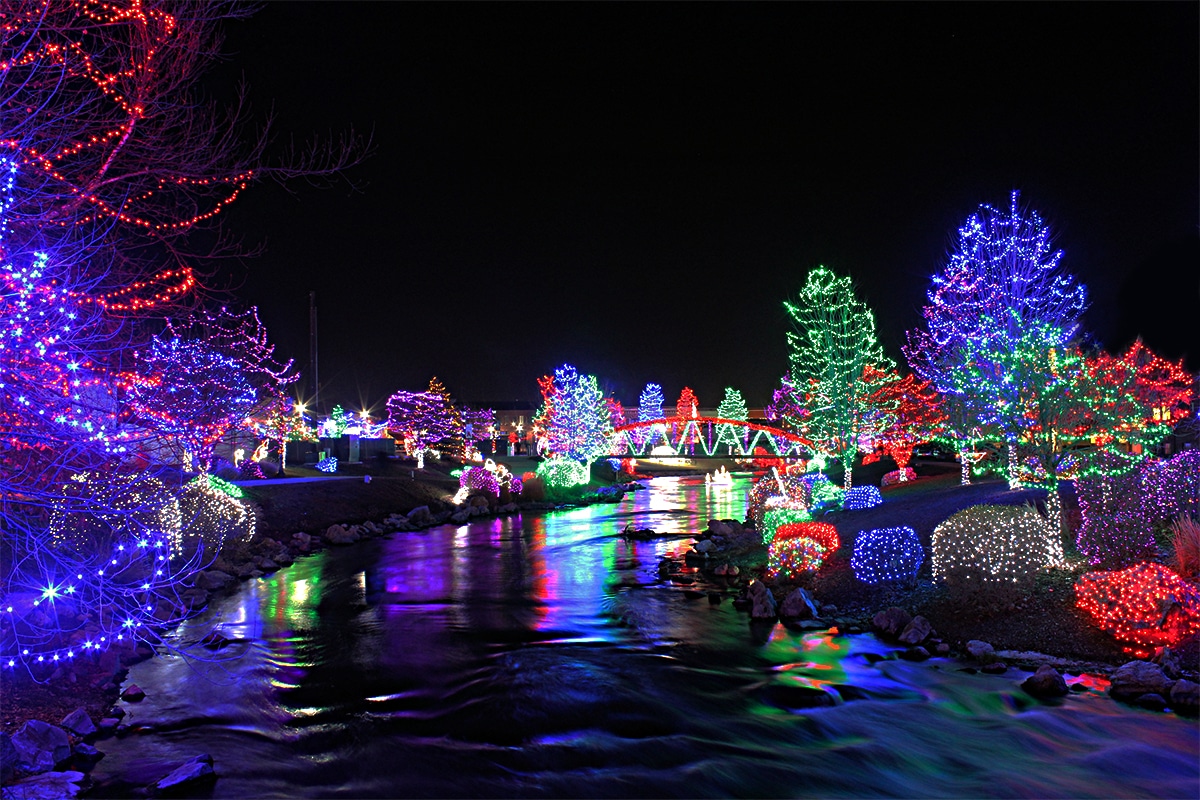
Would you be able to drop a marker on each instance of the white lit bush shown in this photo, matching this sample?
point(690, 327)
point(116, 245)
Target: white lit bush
point(993, 549)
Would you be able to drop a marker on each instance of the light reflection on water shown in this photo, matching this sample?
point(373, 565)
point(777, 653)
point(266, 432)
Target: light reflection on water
point(541, 656)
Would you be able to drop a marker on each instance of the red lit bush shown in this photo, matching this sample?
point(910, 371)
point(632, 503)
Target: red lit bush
point(822, 533)
point(1147, 604)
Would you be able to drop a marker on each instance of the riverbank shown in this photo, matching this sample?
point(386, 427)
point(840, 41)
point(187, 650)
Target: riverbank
point(296, 517)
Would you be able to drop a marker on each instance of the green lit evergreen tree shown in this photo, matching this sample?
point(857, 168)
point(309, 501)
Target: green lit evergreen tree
point(831, 349)
point(731, 407)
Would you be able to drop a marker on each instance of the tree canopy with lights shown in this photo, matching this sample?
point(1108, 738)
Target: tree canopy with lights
point(831, 348)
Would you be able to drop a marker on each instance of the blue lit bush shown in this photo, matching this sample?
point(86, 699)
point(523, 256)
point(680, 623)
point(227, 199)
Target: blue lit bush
point(861, 497)
point(887, 554)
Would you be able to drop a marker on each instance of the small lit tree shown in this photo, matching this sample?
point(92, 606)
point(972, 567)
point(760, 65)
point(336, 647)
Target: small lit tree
point(732, 407)
point(581, 426)
point(918, 417)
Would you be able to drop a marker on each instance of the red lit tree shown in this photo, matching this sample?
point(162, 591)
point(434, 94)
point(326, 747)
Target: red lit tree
point(918, 417)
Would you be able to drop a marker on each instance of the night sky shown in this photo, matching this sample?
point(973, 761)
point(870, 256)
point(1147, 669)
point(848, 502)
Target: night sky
point(636, 189)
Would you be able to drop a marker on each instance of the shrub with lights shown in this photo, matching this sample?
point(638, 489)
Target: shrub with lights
point(480, 479)
point(861, 497)
point(1147, 605)
point(823, 494)
point(790, 558)
point(328, 464)
point(1117, 529)
point(213, 514)
point(772, 490)
point(887, 554)
point(562, 473)
point(776, 516)
point(1172, 487)
point(822, 533)
point(898, 476)
point(993, 550)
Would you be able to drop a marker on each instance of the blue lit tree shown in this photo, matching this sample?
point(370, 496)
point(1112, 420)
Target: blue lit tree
point(1003, 278)
point(581, 425)
point(832, 348)
point(650, 407)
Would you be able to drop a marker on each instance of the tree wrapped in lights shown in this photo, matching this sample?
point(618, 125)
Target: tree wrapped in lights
point(687, 407)
point(732, 407)
point(282, 421)
point(580, 427)
point(918, 417)
point(831, 348)
point(1002, 278)
point(650, 407)
point(541, 420)
point(419, 420)
point(787, 406)
point(453, 442)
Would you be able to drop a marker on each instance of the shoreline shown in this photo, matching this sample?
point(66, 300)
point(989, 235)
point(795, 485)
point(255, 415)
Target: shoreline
point(273, 548)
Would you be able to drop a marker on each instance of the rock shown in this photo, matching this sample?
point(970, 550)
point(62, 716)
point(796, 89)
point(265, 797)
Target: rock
point(890, 621)
point(79, 722)
point(829, 610)
point(798, 696)
point(1185, 697)
point(301, 541)
point(1045, 682)
point(47, 786)
point(762, 602)
point(942, 649)
point(109, 724)
point(212, 580)
point(8, 758)
point(994, 668)
point(798, 605)
point(41, 746)
point(916, 631)
point(508, 508)
point(1136, 678)
point(1181, 660)
point(187, 774)
point(704, 546)
point(133, 694)
point(340, 535)
point(982, 652)
point(916, 653)
point(714, 598)
point(1151, 701)
point(460, 516)
point(718, 528)
point(268, 565)
point(86, 753)
point(420, 516)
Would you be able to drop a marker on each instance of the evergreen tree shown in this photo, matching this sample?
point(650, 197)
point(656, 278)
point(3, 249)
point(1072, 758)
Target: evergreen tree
point(831, 348)
point(732, 407)
point(581, 425)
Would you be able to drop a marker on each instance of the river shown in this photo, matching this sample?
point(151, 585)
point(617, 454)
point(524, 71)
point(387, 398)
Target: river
point(541, 655)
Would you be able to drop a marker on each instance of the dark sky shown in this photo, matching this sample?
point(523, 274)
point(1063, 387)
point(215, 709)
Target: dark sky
point(637, 188)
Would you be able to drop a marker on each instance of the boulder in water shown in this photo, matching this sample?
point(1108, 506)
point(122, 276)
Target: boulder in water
point(762, 602)
point(916, 631)
point(1136, 678)
point(981, 651)
point(890, 622)
point(1045, 682)
point(798, 605)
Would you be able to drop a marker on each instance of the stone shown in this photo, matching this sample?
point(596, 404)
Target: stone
point(340, 535)
point(420, 516)
point(891, 621)
point(762, 602)
point(1045, 682)
point(86, 753)
point(133, 694)
point(1185, 697)
point(916, 653)
point(109, 725)
point(994, 668)
point(714, 598)
point(508, 508)
point(718, 528)
point(916, 631)
point(8, 758)
point(301, 541)
point(79, 722)
point(704, 546)
point(981, 651)
point(461, 516)
point(1136, 678)
point(199, 769)
point(798, 605)
point(942, 649)
point(1182, 659)
point(212, 580)
point(41, 746)
point(47, 786)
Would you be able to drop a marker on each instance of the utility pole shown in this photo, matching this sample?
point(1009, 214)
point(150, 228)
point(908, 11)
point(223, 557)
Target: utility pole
point(312, 351)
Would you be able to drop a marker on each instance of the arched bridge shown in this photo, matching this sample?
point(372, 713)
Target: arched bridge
point(706, 436)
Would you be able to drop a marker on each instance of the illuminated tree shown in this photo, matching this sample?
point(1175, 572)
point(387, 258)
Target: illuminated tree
point(541, 420)
point(687, 407)
point(453, 442)
point(420, 420)
point(732, 407)
point(281, 421)
point(580, 427)
point(918, 417)
point(833, 345)
point(787, 405)
point(1001, 279)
